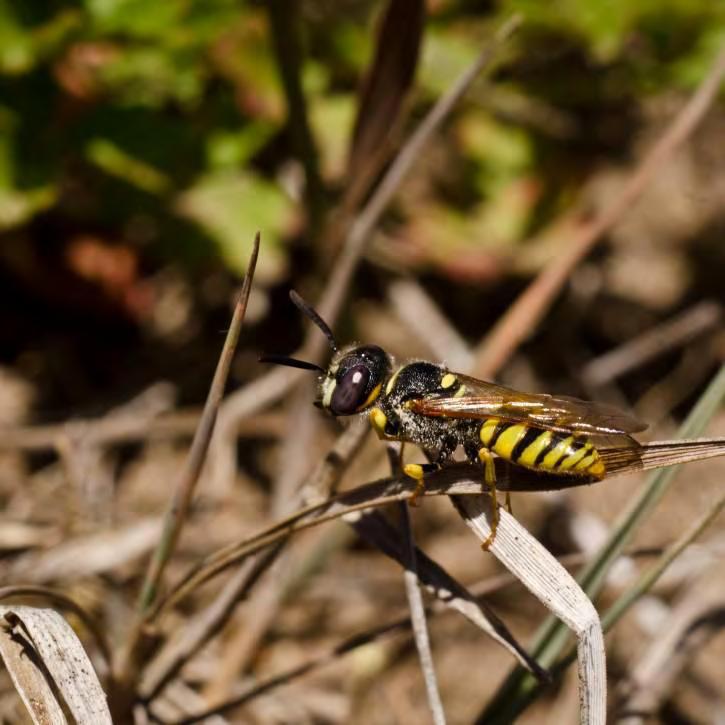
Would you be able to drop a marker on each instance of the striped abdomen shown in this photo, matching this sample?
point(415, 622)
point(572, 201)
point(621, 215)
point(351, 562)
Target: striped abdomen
point(542, 450)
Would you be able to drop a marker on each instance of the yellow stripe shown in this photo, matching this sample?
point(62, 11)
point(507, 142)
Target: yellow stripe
point(391, 382)
point(531, 452)
point(487, 430)
point(586, 462)
point(460, 392)
point(556, 453)
point(504, 446)
point(572, 460)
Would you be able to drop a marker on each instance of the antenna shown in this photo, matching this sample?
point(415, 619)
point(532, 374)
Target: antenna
point(307, 310)
point(290, 362)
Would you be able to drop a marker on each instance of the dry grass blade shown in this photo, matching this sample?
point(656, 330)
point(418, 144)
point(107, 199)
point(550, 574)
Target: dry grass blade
point(654, 342)
point(179, 507)
point(29, 679)
point(85, 555)
point(523, 316)
point(43, 637)
point(383, 93)
point(418, 620)
point(552, 584)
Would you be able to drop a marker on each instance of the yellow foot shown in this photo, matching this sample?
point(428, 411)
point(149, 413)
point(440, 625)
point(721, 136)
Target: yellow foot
point(486, 545)
point(415, 471)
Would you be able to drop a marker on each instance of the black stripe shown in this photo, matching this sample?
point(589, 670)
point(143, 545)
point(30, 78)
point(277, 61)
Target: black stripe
point(525, 441)
point(576, 445)
point(556, 438)
point(500, 428)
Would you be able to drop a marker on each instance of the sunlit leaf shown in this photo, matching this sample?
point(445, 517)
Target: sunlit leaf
point(231, 207)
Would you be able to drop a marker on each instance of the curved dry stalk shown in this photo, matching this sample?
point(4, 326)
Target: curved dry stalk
point(63, 600)
point(461, 478)
point(49, 667)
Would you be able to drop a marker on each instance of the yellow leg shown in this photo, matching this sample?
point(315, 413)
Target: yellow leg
point(508, 502)
point(417, 472)
point(489, 477)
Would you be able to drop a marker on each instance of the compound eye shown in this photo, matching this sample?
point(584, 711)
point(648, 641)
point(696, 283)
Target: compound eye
point(350, 391)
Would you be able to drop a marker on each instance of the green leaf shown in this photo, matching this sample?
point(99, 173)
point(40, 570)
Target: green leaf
point(231, 207)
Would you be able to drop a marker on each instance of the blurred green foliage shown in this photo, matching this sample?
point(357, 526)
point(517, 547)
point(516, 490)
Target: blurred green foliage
point(115, 111)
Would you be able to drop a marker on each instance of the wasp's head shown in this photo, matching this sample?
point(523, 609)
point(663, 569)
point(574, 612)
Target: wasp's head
point(354, 379)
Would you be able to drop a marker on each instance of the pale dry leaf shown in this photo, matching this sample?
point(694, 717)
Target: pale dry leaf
point(551, 583)
point(29, 680)
point(51, 642)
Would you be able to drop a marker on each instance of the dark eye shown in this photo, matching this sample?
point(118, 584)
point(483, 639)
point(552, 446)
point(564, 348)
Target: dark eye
point(349, 393)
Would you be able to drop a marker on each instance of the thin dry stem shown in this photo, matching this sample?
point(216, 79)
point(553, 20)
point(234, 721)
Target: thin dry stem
point(523, 316)
point(418, 618)
point(177, 512)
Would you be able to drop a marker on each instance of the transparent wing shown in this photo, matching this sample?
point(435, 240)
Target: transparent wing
point(486, 400)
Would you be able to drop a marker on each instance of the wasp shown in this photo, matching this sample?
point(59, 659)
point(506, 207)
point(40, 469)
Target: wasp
point(439, 410)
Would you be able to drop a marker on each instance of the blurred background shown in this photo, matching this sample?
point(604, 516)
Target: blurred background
point(142, 145)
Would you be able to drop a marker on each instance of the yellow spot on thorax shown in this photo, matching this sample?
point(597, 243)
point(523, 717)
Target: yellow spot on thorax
point(460, 392)
point(448, 380)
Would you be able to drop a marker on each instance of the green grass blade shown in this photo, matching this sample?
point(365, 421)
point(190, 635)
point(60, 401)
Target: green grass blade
point(520, 688)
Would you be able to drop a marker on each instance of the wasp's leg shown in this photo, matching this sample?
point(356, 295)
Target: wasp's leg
point(418, 471)
point(489, 476)
point(508, 502)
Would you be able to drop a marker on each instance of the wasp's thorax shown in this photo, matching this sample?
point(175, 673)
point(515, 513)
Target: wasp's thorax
point(354, 379)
